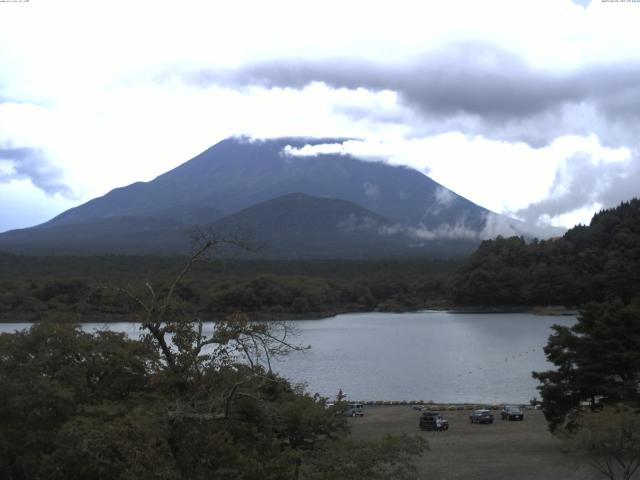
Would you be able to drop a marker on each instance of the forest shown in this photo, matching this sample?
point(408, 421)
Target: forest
point(589, 263)
point(89, 288)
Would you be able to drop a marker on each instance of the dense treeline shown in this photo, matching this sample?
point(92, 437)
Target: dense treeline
point(82, 288)
point(589, 263)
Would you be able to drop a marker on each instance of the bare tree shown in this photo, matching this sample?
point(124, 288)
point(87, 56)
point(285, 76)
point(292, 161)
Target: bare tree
point(189, 346)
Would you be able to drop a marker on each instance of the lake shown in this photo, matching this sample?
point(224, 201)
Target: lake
point(432, 355)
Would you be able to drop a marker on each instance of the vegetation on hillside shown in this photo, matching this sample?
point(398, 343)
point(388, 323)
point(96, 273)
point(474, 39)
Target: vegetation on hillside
point(589, 263)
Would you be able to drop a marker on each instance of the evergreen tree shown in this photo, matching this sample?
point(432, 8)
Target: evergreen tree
point(597, 361)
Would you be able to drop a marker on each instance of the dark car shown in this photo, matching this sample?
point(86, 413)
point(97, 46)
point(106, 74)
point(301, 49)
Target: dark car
point(481, 416)
point(512, 412)
point(433, 421)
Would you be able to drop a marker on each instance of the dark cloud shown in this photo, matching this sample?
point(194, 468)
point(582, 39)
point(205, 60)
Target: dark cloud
point(472, 79)
point(477, 89)
point(29, 163)
point(581, 182)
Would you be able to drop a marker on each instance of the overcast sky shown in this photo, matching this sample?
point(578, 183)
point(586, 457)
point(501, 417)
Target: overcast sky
point(526, 107)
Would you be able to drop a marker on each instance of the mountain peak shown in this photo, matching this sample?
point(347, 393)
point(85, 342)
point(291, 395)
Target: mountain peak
point(239, 173)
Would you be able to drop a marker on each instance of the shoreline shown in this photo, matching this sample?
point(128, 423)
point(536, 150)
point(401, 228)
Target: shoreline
point(442, 406)
point(549, 310)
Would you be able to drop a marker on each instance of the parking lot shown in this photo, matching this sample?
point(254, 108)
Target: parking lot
point(504, 450)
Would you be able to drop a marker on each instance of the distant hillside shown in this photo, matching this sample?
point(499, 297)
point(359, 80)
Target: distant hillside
point(251, 182)
point(123, 235)
point(298, 224)
point(589, 263)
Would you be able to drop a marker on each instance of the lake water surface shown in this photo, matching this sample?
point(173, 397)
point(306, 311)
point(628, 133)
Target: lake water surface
point(439, 356)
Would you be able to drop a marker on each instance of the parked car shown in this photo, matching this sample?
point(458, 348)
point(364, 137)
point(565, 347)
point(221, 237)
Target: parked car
point(481, 416)
point(354, 410)
point(433, 421)
point(512, 412)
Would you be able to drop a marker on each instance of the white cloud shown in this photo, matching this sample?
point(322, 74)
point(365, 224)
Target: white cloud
point(444, 197)
point(21, 199)
point(371, 190)
point(444, 231)
point(501, 176)
point(584, 183)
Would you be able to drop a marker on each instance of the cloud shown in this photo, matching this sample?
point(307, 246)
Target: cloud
point(582, 181)
point(502, 225)
point(29, 163)
point(361, 149)
point(314, 150)
point(474, 88)
point(354, 222)
point(371, 190)
point(461, 78)
point(457, 231)
point(494, 225)
point(444, 197)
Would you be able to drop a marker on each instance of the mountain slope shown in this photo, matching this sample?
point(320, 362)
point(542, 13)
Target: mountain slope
point(237, 173)
point(126, 235)
point(302, 225)
point(301, 203)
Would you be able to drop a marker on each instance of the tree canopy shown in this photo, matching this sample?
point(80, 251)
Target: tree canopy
point(597, 362)
point(589, 263)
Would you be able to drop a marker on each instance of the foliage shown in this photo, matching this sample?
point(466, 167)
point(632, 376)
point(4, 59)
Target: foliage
point(81, 288)
point(180, 403)
point(389, 457)
point(611, 440)
point(48, 373)
point(597, 361)
point(586, 264)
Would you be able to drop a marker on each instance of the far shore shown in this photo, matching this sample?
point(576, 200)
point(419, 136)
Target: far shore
point(72, 317)
point(552, 310)
point(443, 406)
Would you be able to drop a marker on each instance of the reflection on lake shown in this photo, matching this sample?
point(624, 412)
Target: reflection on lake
point(440, 356)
